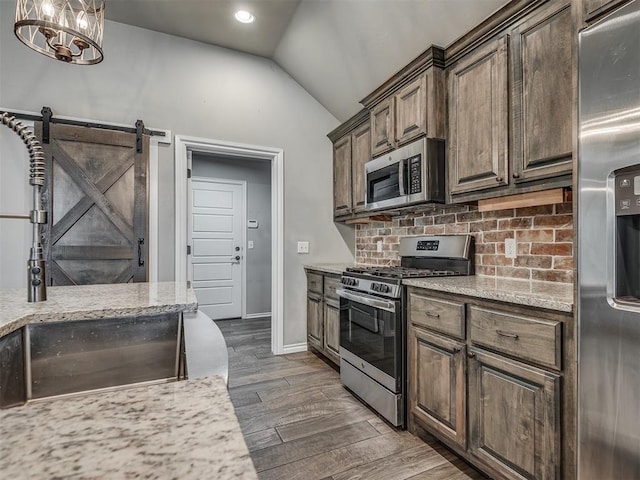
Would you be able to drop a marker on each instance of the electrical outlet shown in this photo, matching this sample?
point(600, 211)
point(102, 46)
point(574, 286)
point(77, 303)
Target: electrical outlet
point(510, 248)
point(250, 244)
point(303, 247)
point(379, 246)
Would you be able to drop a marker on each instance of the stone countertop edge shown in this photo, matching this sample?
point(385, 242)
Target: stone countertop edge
point(90, 302)
point(186, 430)
point(548, 295)
point(335, 268)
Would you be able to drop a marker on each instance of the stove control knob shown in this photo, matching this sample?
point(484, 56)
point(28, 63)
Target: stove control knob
point(385, 288)
point(375, 287)
point(354, 282)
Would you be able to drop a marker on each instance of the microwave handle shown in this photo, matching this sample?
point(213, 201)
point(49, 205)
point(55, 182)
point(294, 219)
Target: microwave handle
point(401, 186)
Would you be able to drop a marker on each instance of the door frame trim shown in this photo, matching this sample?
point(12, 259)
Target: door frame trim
point(184, 144)
point(243, 239)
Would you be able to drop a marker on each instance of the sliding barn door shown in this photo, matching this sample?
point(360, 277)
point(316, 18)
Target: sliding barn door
point(96, 196)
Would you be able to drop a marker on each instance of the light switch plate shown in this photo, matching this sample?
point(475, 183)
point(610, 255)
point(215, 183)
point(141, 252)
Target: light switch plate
point(250, 244)
point(510, 248)
point(303, 247)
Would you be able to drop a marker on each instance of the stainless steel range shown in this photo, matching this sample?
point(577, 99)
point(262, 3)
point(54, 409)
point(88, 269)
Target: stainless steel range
point(373, 318)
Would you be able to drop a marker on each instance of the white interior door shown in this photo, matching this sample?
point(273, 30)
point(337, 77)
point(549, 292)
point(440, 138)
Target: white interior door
point(216, 224)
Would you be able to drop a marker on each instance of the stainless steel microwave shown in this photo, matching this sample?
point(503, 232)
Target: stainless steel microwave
point(408, 175)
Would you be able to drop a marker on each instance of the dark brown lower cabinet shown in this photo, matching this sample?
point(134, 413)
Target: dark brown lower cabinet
point(495, 382)
point(514, 416)
point(315, 320)
point(323, 314)
point(437, 387)
point(332, 329)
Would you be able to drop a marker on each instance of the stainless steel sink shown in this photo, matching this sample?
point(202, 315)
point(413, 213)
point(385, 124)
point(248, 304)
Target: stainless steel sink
point(49, 360)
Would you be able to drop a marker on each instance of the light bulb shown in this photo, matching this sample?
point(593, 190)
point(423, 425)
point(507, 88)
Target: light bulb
point(47, 9)
point(82, 21)
point(244, 16)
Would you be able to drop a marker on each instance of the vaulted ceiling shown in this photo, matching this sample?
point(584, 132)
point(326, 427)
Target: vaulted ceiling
point(338, 50)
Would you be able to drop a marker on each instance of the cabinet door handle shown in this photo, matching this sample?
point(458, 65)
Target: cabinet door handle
point(471, 355)
point(140, 244)
point(499, 179)
point(457, 350)
point(432, 315)
point(507, 334)
point(516, 175)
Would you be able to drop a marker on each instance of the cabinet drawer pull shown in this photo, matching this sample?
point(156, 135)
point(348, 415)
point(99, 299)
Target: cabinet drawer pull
point(432, 315)
point(507, 334)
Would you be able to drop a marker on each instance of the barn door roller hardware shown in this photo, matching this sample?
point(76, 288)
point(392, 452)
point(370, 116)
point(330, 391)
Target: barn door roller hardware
point(47, 118)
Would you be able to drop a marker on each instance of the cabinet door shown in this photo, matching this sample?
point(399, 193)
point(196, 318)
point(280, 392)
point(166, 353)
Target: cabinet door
point(479, 119)
point(332, 330)
point(514, 417)
point(542, 102)
point(593, 8)
point(315, 321)
point(437, 396)
point(342, 176)
point(361, 154)
point(411, 108)
point(382, 130)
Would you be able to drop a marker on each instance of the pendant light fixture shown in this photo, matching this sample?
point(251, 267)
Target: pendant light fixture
point(68, 30)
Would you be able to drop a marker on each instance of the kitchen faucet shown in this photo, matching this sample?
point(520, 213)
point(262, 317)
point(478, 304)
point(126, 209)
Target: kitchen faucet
point(37, 289)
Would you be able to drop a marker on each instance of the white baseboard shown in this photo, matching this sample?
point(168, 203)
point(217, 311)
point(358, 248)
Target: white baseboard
point(257, 315)
point(294, 348)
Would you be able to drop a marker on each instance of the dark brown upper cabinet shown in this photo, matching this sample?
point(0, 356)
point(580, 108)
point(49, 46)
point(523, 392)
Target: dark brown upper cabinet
point(360, 154)
point(479, 119)
point(511, 102)
point(351, 150)
point(592, 9)
point(382, 125)
point(342, 176)
point(542, 93)
point(409, 105)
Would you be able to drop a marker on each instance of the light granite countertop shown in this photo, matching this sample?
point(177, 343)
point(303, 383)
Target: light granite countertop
point(185, 430)
point(549, 295)
point(87, 302)
point(336, 268)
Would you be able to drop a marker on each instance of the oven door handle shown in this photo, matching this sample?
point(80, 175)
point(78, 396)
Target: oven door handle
point(367, 300)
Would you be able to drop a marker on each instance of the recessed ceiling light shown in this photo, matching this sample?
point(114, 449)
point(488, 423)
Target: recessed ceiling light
point(244, 16)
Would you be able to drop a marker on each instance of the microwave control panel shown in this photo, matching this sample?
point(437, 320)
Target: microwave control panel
point(415, 174)
point(627, 193)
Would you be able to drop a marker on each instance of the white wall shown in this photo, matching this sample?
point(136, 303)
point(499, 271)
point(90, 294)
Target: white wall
point(257, 174)
point(203, 91)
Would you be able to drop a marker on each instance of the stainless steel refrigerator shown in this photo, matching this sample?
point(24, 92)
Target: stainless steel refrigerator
point(609, 247)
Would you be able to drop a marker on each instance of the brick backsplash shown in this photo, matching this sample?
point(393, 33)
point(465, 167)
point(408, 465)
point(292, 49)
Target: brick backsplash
point(544, 237)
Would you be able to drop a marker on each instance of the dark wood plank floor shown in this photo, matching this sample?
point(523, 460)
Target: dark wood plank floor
point(300, 423)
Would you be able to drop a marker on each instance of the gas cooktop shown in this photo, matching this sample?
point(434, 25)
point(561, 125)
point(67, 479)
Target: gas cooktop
point(399, 272)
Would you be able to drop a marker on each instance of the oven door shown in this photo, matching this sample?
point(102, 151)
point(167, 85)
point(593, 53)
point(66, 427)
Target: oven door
point(371, 336)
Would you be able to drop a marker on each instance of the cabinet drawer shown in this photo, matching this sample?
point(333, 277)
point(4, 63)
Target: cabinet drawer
point(528, 338)
point(314, 282)
point(443, 316)
point(330, 286)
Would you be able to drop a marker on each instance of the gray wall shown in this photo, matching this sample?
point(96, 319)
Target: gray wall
point(202, 91)
point(257, 174)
